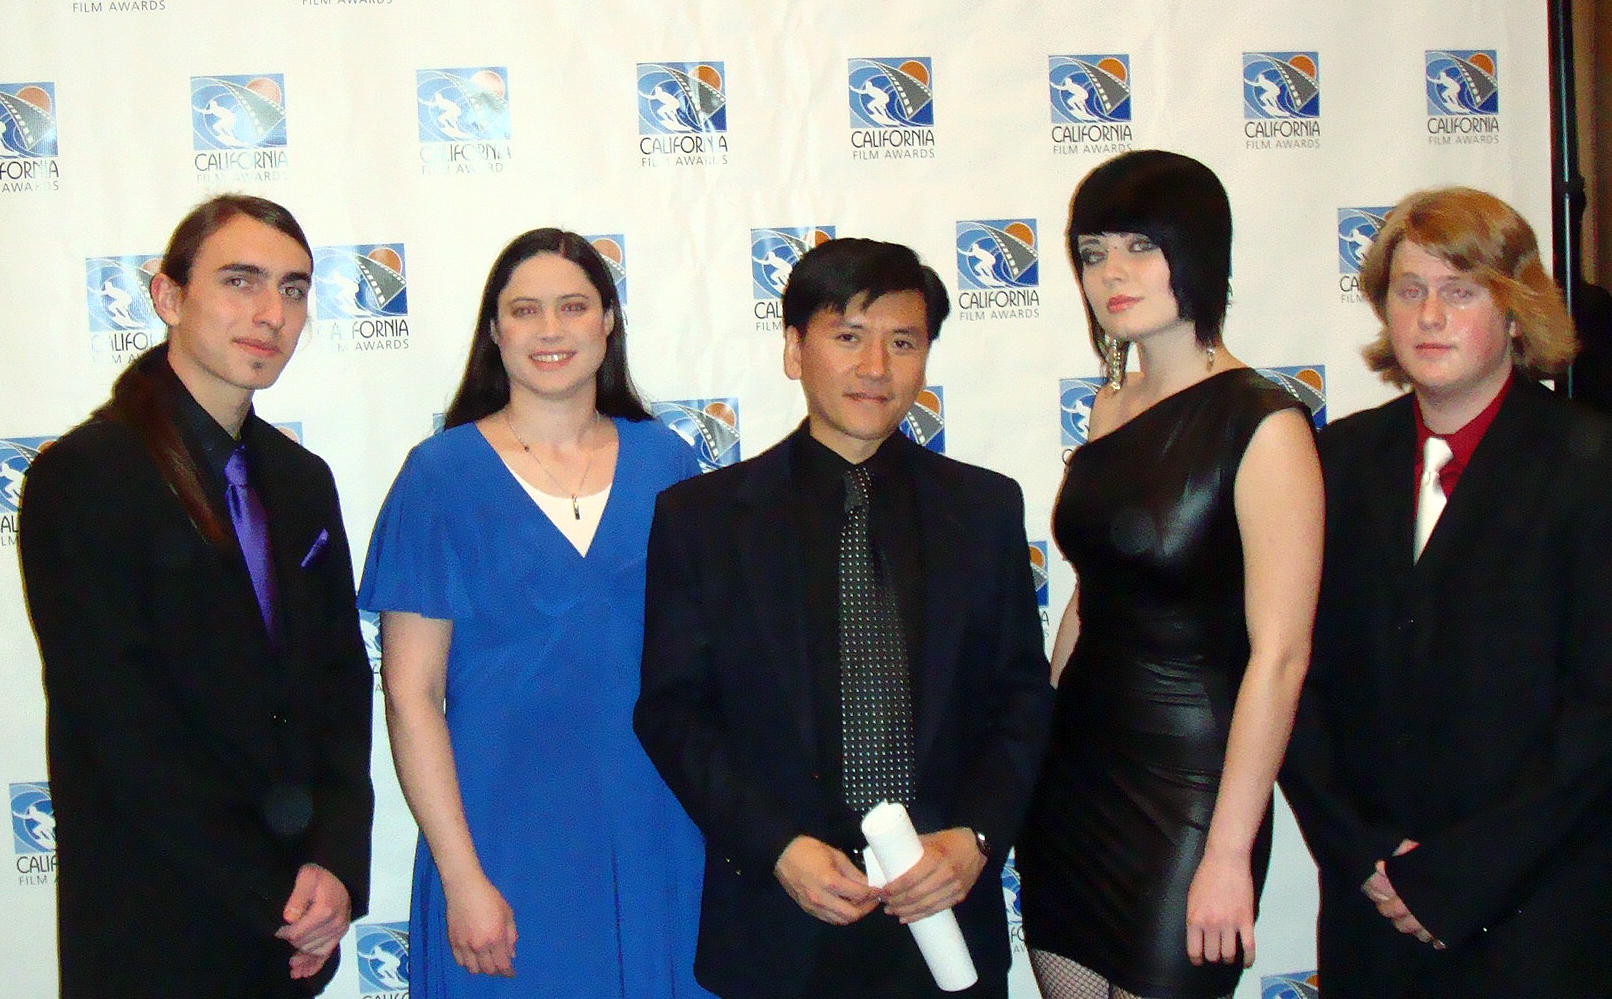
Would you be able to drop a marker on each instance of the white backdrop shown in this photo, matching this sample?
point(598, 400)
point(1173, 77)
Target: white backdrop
point(706, 143)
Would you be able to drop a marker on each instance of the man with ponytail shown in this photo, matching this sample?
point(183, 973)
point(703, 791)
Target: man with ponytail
point(208, 697)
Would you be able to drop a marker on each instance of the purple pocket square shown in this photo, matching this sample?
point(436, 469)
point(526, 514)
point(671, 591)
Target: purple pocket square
point(316, 548)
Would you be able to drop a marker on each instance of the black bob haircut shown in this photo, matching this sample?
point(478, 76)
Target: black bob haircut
point(831, 274)
point(1181, 206)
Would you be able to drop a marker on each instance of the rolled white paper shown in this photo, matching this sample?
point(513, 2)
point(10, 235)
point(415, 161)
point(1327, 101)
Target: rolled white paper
point(893, 847)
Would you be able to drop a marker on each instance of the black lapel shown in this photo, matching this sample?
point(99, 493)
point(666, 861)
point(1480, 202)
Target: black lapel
point(942, 539)
point(293, 530)
point(1495, 476)
point(1387, 496)
point(770, 566)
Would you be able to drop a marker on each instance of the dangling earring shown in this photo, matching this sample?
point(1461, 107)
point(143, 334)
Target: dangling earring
point(1115, 362)
point(1211, 352)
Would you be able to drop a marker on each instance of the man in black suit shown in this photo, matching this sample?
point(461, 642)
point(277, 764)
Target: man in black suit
point(1451, 767)
point(749, 704)
point(208, 697)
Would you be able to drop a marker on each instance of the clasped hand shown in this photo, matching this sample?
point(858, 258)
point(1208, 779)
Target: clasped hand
point(826, 884)
point(1393, 908)
point(316, 917)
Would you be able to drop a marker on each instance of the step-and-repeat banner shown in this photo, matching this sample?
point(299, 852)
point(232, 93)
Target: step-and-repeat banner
point(703, 145)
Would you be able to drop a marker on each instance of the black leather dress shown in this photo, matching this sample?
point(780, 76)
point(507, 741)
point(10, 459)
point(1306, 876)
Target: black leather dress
point(1118, 823)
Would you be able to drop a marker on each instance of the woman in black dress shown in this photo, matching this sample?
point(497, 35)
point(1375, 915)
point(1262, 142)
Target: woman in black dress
point(1193, 519)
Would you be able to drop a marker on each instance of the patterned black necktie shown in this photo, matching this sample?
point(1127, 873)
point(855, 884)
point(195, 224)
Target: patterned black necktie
point(875, 688)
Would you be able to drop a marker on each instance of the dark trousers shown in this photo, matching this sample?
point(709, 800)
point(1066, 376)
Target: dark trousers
point(876, 957)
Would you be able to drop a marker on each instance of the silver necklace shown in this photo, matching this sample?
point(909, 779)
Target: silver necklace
point(576, 508)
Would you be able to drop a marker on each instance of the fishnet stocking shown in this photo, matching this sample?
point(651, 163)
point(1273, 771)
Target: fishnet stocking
point(1061, 978)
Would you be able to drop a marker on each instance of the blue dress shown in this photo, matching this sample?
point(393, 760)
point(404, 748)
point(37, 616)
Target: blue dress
point(569, 818)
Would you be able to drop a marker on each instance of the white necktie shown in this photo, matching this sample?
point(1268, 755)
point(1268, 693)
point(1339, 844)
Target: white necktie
point(1436, 454)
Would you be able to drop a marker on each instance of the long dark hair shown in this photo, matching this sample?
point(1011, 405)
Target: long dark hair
point(143, 395)
point(484, 389)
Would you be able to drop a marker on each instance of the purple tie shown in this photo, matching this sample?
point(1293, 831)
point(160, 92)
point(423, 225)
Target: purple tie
point(252, 531)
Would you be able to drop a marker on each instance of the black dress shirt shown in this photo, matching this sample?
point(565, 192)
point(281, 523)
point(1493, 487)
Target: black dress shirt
point(208, 439)
point(209, 444)
point(818, 515)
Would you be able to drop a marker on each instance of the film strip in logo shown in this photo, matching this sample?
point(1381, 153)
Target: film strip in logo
point(711, 427)
point(1281, 100)
point(682, 113)
point(892, 105)
point(1091, 103)
point(925, 422)
point(1463, 96)
point(463, 119)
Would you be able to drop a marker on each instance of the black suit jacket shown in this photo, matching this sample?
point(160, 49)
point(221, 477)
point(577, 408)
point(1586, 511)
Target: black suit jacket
point(1464, 701)
point(194, 764)
point(726, 705)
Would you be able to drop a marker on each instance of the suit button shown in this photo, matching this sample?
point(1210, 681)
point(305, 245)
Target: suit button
point(278, 718)
point(1407, 624)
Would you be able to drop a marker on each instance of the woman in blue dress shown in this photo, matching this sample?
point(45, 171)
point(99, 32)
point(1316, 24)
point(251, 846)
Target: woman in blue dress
point(507, 565)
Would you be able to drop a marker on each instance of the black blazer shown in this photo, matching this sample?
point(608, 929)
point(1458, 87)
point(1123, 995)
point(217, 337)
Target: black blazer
point(1464, 701)
point(726, 705)
point(194, 765)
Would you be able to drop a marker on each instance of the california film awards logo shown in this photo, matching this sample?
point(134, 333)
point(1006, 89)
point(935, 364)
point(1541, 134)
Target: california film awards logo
point(1038, 571)
point(28, 137)
point(1039, 576)
point(1357, 230)
point(1305, 382)
point(773, 255)
point(711, 426)
point(123, 321)
point(369, 627)
point(1091, 103)
point(1011, 892)
point(383, 960)
point(33, 833)
point(237, 127)
point(1292, 985)
point(17, 455)
point(361, 297)
point(1463, 97)
point(998, 269)
point(464, 119)
point(612, 249)
point(892, 108)
point(925, 422)
point(682, 114)
point(1282, 100)
point(1075, 396)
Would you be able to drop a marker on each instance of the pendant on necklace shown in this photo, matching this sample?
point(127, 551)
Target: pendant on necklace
point(576, 509)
